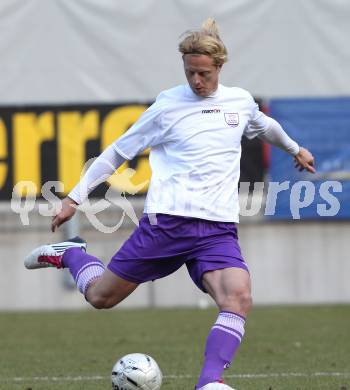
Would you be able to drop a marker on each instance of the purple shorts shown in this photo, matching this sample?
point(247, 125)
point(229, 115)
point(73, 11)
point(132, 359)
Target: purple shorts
point(155, 251)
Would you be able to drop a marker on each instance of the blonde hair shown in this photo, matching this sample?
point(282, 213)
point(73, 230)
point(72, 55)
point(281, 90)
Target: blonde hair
point(205, 41)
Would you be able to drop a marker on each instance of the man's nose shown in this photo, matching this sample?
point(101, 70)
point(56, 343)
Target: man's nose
point(196, 80)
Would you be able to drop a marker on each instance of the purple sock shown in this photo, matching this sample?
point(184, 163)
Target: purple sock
point(83, 267)
point(222, 343)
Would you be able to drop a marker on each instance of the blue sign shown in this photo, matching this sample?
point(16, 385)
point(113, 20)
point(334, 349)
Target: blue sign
point(323, 126)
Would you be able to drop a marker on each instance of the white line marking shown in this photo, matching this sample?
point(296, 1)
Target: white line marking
point(185, 376)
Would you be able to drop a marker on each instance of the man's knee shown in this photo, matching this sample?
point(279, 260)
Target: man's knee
point(245, 299)
point(99, 301)
point(108, 291)
point(238, 300)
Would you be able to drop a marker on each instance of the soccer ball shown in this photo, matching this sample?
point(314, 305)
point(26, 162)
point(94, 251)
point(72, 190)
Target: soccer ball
point(136, 371)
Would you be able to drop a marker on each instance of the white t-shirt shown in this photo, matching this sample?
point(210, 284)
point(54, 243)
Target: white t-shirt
point(195, 150)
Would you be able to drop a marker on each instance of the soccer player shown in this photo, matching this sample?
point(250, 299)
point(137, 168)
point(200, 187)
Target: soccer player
point(191, 210)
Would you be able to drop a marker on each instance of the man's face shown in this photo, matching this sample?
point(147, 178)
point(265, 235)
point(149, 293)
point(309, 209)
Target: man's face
point(201, 73)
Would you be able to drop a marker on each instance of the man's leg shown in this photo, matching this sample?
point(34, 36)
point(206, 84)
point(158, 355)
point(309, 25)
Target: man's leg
point(230, 289)
point(102, 288)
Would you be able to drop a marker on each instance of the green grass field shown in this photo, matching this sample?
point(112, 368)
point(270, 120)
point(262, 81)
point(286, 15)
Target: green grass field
point(291, 348)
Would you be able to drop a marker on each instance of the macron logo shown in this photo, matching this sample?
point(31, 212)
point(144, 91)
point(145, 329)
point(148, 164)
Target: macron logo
point(213, 111)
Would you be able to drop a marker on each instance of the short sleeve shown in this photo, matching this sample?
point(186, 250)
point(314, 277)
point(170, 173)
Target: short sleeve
point(258, 122)
point(144, 133)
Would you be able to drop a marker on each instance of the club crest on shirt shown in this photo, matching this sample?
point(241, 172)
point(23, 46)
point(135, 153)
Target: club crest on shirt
point(232, 118)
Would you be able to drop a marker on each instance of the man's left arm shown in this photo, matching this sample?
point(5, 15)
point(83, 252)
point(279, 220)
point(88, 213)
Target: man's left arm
point(274, 134)
point(270, 131)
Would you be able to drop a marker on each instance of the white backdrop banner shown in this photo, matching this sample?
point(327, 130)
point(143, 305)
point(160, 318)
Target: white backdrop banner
point(75, 51)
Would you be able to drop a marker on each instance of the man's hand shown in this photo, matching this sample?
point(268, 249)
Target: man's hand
point(305, 160)
point(66, 213)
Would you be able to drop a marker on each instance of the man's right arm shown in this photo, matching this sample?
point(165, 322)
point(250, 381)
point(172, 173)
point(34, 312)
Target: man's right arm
point(98, 172)
point(148, 131)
